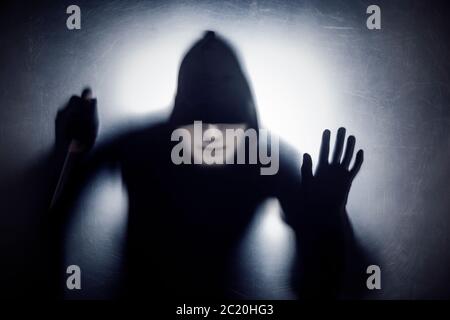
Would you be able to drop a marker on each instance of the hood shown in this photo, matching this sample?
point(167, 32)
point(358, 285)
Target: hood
point(212, 86)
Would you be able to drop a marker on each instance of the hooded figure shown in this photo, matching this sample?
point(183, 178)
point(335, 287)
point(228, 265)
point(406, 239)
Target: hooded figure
point(186, 221)
point(212, 86)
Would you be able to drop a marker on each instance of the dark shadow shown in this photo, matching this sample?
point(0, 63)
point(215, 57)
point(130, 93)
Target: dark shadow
point(26, 267)
point(185, 222)
point(38, 247)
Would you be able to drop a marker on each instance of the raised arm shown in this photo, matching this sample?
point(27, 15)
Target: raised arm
point(324, 236)
point(76, 130)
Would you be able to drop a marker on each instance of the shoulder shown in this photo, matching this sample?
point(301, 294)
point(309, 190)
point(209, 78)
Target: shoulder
point(287, 178)
point(289, 158)
point(132, 139)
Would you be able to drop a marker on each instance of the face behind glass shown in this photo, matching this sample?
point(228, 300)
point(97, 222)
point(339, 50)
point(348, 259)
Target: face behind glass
point(213, 139)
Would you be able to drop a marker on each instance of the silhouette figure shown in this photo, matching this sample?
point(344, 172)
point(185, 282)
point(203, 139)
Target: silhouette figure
point(186, 221)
